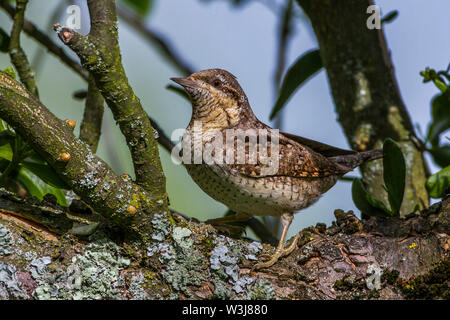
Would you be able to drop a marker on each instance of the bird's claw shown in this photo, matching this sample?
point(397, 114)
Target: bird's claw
point(280, 252)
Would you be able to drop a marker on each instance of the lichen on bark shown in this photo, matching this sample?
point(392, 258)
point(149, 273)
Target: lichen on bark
point(365, 92)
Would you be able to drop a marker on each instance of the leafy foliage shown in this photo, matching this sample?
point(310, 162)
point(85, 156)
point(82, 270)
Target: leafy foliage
point(394, 173)
point(4, 41)
point(389, 17)
point(305, 67)
point(24, 166)
point(439, 183)
point(440, 113)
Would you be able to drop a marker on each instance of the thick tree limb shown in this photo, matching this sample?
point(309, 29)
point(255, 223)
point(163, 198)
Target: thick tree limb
point(365, 91)
point(373, 259)
point(99, 53)
point(117, 198)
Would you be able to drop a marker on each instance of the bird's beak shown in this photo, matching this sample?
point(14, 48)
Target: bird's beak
point(186, 82)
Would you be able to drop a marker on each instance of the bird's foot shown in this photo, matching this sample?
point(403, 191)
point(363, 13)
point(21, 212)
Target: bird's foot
point(280, 252)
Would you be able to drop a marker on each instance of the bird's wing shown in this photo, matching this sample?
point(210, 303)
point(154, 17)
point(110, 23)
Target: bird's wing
point(322, 148)
point(294, 160)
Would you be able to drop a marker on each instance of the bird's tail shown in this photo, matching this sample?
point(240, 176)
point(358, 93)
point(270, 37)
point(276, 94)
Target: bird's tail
point(352, 161)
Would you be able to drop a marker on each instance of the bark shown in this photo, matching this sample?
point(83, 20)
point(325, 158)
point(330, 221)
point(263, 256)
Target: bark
point(18, 57)
point(119, 199)
point(30, 29)
point(99, 53)
point(365, 91)
point(373, 259)
point(90, 129)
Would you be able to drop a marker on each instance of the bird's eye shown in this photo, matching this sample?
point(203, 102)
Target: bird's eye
point(217, 83)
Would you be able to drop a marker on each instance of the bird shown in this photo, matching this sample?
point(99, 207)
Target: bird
point(297, 173)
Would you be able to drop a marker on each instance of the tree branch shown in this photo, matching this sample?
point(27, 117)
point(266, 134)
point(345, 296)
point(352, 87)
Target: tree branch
point(167, 50)
point(372, 259)
point(30, 29)
point(18, 56)
point(91, 124)
point(365, 91)
point(99, 53)
point(116, 198)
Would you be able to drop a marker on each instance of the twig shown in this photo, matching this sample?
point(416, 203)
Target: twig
point(161, 136)
point(285, 32)
point(91, 125)
point(116, 198)
point(45, 41)
point(38, 59)
point(99, 53)
point(156, 39)
point(31, 30)
point(18, 57)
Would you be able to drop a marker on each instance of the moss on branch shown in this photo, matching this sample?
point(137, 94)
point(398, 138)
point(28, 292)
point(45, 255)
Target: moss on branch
point(99, 53)
point(365, 91)
point(89, 176)
point(18, 57)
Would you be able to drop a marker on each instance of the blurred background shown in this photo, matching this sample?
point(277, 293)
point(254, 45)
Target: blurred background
point(243, 39)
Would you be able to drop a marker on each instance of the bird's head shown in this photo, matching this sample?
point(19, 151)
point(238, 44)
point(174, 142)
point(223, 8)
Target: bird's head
point(217, 98)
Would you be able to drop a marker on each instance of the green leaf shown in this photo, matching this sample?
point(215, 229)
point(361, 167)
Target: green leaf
point(6, 152)
point(6, 136)
point(46, 173)
point(141, 7)
point(390, 16)
point(438, 183)
point(440, 85)
point(38, 188)
point(394, 172)
point(440, 106)
point(374, 202)
point(361, 200)
point(4, 41)
point(10, 72)
point(305, 67)
point(441, 155)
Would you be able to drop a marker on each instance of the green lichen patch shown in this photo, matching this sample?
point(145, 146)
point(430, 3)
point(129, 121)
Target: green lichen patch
point(224, 262)
point(94, 274)
point(185, 266)
point(136, 287)
point(390, 276)
point(261, 290)
point(433, 285)
point(6, 241)
point(185, 270)
point(10, 287)
point(162, 226)
point(181, 237)
point(354, 288)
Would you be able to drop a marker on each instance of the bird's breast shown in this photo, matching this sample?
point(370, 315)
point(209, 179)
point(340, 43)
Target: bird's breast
point(258, 196)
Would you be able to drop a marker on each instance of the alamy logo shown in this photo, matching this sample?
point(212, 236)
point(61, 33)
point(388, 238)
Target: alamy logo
point(231, 146)
point(374, 20)
point(74, 19)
